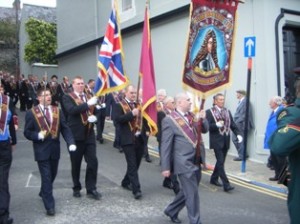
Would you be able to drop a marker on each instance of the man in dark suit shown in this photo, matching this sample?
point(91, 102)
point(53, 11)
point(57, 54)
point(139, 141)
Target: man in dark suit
point(127, 116)
point(170, 182)
point(111, 100)
point(80, 118)
point(7, 141)
point(180, 154)
point(43, 125)
point(220, 123)
point(239, 119)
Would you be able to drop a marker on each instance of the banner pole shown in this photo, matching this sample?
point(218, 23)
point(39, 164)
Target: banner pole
point(245, 140)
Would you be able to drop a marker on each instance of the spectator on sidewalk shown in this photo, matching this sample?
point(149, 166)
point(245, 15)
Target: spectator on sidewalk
point(286, 142)
point(277, 162)
point(240, 119)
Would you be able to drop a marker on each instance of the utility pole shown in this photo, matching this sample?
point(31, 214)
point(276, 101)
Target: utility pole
point(16, 6)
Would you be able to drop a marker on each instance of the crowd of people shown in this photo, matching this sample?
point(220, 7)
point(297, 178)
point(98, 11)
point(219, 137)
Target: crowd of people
point(72, 109)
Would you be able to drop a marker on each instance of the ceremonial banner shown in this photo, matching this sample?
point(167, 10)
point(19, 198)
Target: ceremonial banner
point(148, 78)
point(111, 75)
point(208, 56)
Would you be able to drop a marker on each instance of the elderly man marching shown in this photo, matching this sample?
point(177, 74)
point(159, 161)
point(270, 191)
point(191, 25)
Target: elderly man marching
point(180, 154)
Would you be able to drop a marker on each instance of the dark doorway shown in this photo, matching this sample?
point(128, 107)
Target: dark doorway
point(291, 52)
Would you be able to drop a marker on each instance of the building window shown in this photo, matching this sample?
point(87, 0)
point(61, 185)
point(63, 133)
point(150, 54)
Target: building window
point(126, 9)
point(126, 5)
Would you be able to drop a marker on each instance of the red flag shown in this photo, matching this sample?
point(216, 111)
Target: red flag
point(148, 78)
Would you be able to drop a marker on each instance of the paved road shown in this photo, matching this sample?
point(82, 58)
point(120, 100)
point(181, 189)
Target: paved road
point(246, 204)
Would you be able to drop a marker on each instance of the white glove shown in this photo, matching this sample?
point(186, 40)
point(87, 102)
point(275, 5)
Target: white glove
point(103, 105)
point(240, 138)
point(41, 135)
point(92, 101)
point(98, 107)
point(92, 119)
point(220, 124)
point(72, 148)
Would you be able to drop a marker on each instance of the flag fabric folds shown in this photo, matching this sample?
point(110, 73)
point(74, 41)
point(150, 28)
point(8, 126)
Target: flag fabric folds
point(208, 55)
point(148, 78)
point(111, 75)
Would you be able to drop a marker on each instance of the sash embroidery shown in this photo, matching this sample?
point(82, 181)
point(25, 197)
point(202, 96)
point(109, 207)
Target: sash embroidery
point(188, 132)
point(126, 108)
point(84, 115)
point(4, 113)
point(222, 117)
point(42, 122)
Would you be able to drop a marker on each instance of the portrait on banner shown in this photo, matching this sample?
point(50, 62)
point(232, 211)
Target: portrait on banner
point(207, 62)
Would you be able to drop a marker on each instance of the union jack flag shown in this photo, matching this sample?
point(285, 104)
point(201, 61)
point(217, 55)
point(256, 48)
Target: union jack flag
point(111, 75)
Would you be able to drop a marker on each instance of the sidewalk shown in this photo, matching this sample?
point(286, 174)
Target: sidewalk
point(257, 174)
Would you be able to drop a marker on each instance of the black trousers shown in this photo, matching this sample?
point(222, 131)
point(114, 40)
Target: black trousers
point(278, 162)
point(219, 170)
point(100, 122)
point(48, 172)
point(87, 150)
point(5, 164)
point(133, 154)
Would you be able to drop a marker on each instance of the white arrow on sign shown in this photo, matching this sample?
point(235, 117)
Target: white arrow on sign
point(249, 45)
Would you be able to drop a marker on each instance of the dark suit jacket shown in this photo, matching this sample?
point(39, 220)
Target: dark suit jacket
point(80, 131)
point(240, 116)
point(123, 119)
point(216, 140)
point(49, 148)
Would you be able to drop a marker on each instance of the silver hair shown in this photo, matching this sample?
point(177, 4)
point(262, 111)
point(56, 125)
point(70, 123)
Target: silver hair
point(162, 92)
point(168, 99)
point(277, 100)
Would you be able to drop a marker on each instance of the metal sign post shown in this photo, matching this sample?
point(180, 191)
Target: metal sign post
point(249, 52)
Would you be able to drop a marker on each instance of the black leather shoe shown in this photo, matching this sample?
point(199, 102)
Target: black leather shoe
point(121, 150)
point(8, 221)
point(76, 194)
point(273, 179)
point(137, 195)
point(216, 183)
point(228, 188)
point(167, 184)
point(174, 219)
point(51, 212)
point(237, 159)
point(101, 140)
point(94, 194)
point(147, 158)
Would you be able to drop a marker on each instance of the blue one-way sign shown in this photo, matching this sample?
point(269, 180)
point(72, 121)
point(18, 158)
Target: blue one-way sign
point(249, 47)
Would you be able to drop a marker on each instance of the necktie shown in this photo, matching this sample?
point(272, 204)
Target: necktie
point(189, 118)
point(132, 105)
point(47, 115)
point(82, 97)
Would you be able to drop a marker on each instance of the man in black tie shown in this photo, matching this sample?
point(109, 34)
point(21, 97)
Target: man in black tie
point(43, 125)
point(127, 116)
point(80, 118)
